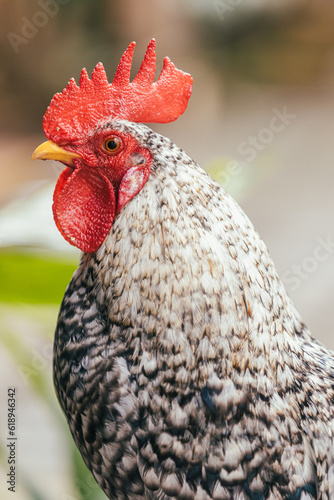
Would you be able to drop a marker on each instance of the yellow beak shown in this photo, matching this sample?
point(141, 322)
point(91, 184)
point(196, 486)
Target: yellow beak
point(49, 150)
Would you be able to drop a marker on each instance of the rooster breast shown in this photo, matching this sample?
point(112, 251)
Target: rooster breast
point(178, 356)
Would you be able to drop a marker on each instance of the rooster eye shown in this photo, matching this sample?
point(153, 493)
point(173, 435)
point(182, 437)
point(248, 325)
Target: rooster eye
point(112, 144)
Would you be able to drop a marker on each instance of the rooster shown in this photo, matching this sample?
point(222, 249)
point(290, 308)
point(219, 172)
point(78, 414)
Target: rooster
point(182, 366)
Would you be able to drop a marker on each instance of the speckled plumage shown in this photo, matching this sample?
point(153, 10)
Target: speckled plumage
point(181, 364)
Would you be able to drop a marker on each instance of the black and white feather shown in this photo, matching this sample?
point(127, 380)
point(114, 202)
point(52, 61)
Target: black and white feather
point(181, 364)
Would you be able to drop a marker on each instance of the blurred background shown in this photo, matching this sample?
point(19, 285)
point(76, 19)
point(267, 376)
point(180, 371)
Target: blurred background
point(261, 121)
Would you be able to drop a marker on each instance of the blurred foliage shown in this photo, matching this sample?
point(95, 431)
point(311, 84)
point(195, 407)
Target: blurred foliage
point(21, 354)
point(32, 287)
point(289, 46)
point(33, 279)
point(86, 486)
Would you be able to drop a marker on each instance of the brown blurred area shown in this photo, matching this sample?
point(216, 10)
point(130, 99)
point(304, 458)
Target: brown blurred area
point(247, 59)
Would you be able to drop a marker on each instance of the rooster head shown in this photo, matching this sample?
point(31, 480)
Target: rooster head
point(104, 167)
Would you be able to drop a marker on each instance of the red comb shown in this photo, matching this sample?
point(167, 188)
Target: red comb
point(78, 109)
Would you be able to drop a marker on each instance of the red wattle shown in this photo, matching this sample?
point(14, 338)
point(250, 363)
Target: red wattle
point(84, 205)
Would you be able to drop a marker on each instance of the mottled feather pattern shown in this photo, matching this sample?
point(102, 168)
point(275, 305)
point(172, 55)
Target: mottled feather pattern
point(182, 366)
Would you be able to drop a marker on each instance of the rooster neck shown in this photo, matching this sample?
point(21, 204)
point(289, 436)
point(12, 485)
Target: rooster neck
point(177, 349)
point(184, 272)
